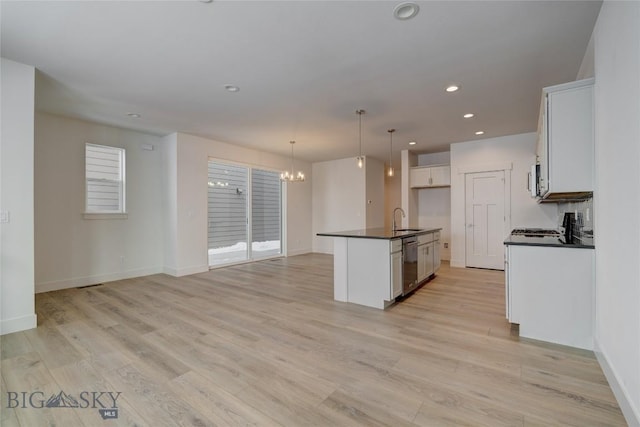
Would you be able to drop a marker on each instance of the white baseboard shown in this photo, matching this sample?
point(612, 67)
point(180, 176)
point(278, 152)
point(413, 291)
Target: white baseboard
point(299, 252)
point(457, 263)
point(17, 324)
point(76, 282)
point(186, 271)
point(629, 410)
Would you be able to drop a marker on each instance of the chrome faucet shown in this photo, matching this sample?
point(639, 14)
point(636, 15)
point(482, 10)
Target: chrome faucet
point(394, 217)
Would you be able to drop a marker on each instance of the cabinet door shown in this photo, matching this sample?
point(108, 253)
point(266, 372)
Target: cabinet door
point(436, 255)
point(543, 149)
point(422, 250)
point(570, 133)
point(429, 260)
point(419, 177)
point(396, 275)
point(507, 291)
point(440, 176)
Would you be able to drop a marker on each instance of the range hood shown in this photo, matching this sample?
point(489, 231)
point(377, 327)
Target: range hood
point(577, 196)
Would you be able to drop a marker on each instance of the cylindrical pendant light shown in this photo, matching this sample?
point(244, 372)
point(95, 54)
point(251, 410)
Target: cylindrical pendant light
point(390, 171)
point(360, 158)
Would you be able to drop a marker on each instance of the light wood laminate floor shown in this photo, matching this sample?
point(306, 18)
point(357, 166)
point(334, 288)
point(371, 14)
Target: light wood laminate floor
point(265, 344)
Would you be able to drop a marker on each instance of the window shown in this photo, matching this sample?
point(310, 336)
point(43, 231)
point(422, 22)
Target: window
point(104, 171)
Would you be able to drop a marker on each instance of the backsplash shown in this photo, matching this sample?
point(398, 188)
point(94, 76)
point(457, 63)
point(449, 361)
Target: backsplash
point(584, 216)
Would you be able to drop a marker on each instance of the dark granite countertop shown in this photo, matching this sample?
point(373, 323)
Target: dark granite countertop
point(379, 233)
point(551, 241)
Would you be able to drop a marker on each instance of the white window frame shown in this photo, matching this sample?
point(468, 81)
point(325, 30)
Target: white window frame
point(121, 213)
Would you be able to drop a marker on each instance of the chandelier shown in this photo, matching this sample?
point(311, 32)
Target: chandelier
point(289, 176)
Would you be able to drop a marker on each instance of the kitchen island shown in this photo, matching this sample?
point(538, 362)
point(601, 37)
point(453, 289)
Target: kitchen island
point(368, 264)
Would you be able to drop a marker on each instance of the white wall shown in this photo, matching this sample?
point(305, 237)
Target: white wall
point(434, 204)
point(617, 200)
point(170, 202)
point(188, 203)
point(434, 211)
point(375, 193)
point(340, 191)
point(516, 151)
point(392, 197)
point(71, 250)
point(17, 309)
point(409, 198)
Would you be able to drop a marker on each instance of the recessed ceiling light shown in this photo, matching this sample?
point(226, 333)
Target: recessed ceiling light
point(468, 115)
point(231, 88)
point(205, 1)
point(452, 88)
point(412, 143)
point(134, 115)
point(480, 132)
point(405, 11)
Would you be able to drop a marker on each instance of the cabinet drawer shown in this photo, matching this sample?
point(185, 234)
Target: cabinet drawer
point(395, 245)
point(436, 235)
point(425, 238)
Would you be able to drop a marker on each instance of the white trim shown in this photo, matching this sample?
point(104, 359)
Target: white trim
point(76, 282)
point(631, 413)
point(299, 252)
point(491, 167)
point(457, 263)
point(18, 324)
point(186, 271)
point(95, 215)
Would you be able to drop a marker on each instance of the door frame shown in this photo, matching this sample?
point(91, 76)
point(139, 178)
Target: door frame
point(249, 206)
point(497, 167)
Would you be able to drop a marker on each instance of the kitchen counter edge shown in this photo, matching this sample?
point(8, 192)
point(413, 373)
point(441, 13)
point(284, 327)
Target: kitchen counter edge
point(379, 233)
point(553, 242)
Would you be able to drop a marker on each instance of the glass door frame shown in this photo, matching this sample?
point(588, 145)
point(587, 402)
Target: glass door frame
point(249, 216)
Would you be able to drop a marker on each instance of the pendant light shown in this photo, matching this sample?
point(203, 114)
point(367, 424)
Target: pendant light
point(390, 171)
point(360, 158)
point(287, 176)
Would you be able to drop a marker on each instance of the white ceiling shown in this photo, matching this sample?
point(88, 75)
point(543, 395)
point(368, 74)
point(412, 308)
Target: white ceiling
point(303, 68)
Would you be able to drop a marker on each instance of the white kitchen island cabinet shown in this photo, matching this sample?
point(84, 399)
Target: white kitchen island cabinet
point(549, 293)
point(368, 265)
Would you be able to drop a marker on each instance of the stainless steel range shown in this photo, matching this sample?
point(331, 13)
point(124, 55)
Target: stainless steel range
point(534, 232)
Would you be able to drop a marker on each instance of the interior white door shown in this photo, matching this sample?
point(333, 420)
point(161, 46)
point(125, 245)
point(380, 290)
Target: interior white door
point(485, 219)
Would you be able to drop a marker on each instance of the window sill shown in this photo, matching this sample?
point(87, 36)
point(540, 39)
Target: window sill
point(92, 215)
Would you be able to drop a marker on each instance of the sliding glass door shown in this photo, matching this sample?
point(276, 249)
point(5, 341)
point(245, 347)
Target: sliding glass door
point(266, 219)
point(245, 205)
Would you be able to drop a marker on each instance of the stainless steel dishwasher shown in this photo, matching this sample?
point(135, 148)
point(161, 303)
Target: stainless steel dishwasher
point(410, 264)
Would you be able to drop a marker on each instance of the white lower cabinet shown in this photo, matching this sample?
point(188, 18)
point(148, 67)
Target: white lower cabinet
point(396, 269)
point(428, 255)
point(549, 292)
point(374, 271)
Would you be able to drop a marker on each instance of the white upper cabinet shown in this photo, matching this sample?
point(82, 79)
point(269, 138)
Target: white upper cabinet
point(566, 140)
point(430, 176)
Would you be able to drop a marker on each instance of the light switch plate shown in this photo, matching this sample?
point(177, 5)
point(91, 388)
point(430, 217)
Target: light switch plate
point(4, 217)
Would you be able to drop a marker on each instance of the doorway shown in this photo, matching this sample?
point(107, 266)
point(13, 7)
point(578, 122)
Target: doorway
point(244, 213)
point(485, 219)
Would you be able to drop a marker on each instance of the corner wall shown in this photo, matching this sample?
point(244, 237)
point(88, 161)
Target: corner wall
point(17, 88)
point(72, 251)
point(188, 203)
point(518, 151)
point(339, 193)
point(617, 200)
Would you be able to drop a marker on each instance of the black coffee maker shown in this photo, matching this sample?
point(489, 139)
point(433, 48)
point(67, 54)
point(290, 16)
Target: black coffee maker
point(569, 225)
